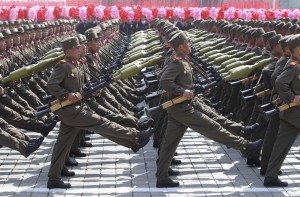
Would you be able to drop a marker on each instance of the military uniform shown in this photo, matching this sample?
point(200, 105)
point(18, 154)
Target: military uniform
point(67, 77)
point(17, 140)
point(287, 86)
point(176, 78)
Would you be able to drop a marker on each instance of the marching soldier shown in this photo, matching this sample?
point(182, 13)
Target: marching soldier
point(65, 81)
point(287, 86)
point(177, 80)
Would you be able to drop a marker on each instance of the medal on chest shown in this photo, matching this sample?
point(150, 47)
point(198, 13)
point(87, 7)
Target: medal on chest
point(186, 68)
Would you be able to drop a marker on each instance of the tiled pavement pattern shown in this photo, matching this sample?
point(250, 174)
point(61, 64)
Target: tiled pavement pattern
point(207, 169)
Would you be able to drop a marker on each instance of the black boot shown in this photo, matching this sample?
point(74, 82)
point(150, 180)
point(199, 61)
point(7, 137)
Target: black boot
point(175, 161)
point(274, 182)
point(57, 184)
point(77, 153)
point(253, 162)
point(47, 127)
point(248, 130)
point(66, 172)
point(71, 162)
point(252, 147)
point(33, 145)
point(85, 144)
point(172, 172)
point(167, 183)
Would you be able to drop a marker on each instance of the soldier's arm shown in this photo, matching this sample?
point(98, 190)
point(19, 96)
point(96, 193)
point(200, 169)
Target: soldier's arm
point(56, 78)
point(168, 77)
point(283, 82)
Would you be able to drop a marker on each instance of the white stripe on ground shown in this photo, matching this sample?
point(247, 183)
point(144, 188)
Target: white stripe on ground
point(120, 190)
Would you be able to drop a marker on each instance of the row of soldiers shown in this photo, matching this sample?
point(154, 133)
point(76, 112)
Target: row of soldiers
point(237, 103)
point(112, 112)
point(22, 43)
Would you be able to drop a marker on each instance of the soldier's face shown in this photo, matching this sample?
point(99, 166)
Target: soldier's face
point(9, 42)
point(26, 37)
point(93, 45)
point(2, 45)
point(74, 53)
point(185, 48)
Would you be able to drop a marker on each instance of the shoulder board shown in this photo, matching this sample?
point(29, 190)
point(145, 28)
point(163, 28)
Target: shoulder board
point(276, 58)
point(293, 63)
point(89, 53)
point(177, 58)
point(63, 61)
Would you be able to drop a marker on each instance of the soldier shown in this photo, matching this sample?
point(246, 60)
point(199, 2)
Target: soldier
point(287, 86)
point(272, 130)
point(177, 80)
point(65, 81)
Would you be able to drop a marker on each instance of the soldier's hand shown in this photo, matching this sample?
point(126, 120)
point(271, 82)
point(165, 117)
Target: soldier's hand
point(188, 94)
point(297, 99)
point(72, 97)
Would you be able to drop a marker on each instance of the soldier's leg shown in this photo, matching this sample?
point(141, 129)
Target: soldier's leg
point(9, 102)
point(77, 140)
point(88, 120)
point(231, 126)
point(36, 89)
point(118, 118)
point(112, 100)
point(19, 121)
point(202, 124)
point(13, 131)
point(29, 96)
point(287, 135)
point(269, 140)
point(65, 138)
point(115, 92)
point(173, 135)
point(12, 142)
point(14, 95)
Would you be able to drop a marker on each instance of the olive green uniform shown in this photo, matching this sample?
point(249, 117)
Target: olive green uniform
point(67, 77)
point(176, 78)
point(287, 86)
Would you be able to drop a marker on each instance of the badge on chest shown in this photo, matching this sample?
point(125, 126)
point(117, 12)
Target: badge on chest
point(186, 68)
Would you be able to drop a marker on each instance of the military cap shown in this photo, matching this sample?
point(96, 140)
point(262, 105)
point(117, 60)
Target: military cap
point(81, 38)
point(69, 43)
point(268, 35)
point(293, 41)
point(14, 31)
point(179, 38)
point(287, 26)
point(297, 30)
point(6, 32)
point(293, 28)
point(1, 23)
point(91, 35)
point(283, 42)
point(258, 33)
point(25, 27)
point(31, 26)
point(2, 36)
point(274, 40)
point(279, 26)
point(5, 23)
point(21, 30)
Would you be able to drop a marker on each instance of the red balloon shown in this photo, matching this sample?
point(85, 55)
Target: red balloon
point(154, 12)
point(41, 14)
point(170, 14)
point(74, 12)
point(57, 12)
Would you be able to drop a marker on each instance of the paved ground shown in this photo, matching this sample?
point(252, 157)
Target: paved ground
point(208, 169)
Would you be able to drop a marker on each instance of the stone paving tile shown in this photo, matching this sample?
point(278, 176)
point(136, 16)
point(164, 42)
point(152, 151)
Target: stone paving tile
point(207, 169)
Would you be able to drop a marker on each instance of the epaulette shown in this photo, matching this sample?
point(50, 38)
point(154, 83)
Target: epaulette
point(276, 58)
point(63, 61)
point(293, 63)
point(181, 58)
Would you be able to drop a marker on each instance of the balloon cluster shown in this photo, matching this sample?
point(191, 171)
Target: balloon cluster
point(135, 13)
